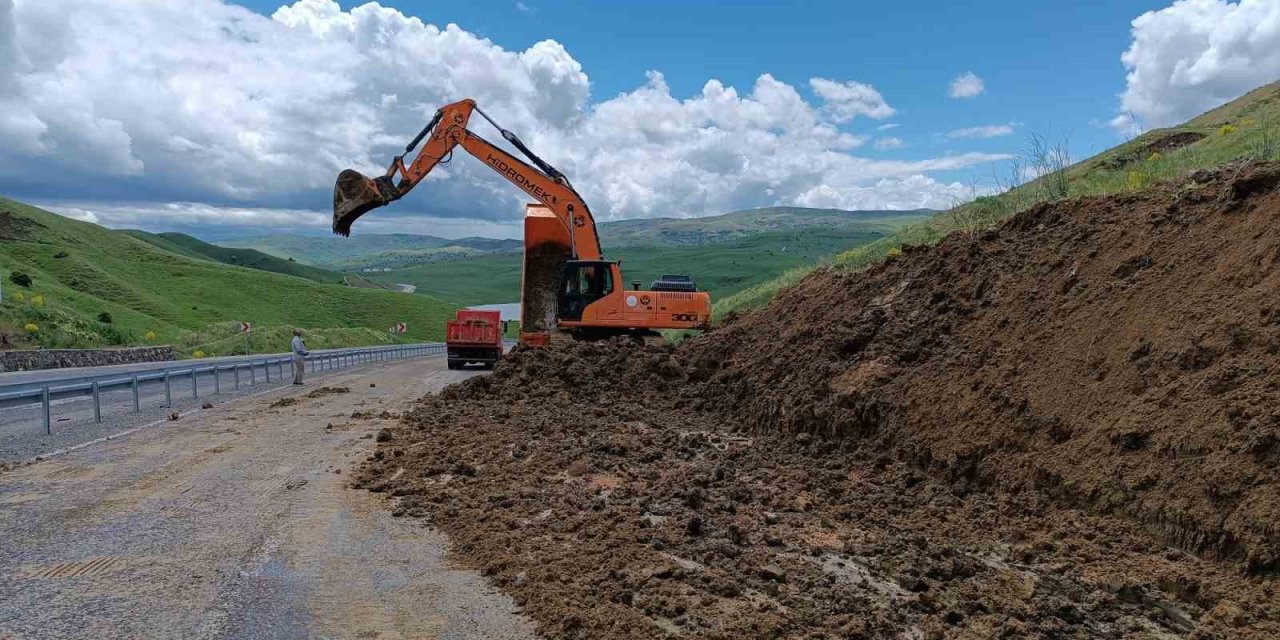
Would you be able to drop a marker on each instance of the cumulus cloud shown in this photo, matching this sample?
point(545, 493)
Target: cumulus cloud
point(1195, 55)
point(847, 100)
point(206, 102)
point(966, 85)
point(985, 131)
point(885, 144)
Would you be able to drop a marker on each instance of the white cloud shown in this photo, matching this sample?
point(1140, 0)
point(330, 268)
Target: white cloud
point(966, 85)
point(846, 100)
point(888, 126)
point(1195, 55)
point(986, 131)
point(524, 8)
point(884, 144)
point(252, 117)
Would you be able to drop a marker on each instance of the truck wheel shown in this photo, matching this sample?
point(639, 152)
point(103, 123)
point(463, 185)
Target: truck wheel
point(454, 364)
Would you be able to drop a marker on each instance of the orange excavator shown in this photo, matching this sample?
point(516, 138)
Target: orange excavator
point(567, 285)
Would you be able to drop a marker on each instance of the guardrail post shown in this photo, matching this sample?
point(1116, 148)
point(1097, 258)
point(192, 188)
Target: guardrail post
point(235, 373)
point(313, 365)
point(253, 375)
point(44, 400)
point(217, 381)
point(266, 370)
point(137, 400)
point(280, 368)
point(97, 403)
point(168, 396)
point(195, 384)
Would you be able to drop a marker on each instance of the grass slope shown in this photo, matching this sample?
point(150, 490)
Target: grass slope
point(81, 269)
point(190, 246)
point(1245, 128)
point(721, 268)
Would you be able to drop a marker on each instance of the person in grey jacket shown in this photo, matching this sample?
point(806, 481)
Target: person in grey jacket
point(300, 354)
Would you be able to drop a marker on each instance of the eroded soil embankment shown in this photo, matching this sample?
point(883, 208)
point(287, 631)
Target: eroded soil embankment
point(1023, 434)
point(1119, 353)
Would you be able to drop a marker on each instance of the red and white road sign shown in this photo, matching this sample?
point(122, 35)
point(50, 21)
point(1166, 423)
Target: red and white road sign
point(245, 327)
point(401, 327)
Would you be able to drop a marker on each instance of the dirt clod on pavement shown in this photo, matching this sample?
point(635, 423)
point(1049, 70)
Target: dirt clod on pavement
point(1065, 427)
point(328, 391)
point(284, 402)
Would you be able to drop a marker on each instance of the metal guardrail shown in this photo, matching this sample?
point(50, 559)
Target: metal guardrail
point(45, 392)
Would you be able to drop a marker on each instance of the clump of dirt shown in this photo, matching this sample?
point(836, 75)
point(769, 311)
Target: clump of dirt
point(541, 277)
point(371, 415)
point(283, 402)
point(328, 391)
point(1163, 145)
point(1062, 428)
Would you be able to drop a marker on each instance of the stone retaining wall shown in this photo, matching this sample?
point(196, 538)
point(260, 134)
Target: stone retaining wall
point(63, 358)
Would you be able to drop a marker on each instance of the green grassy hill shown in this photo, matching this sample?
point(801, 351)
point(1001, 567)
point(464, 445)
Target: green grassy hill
point(721, 268)
point(1247, 128)
point(80, 270)
point(190, 246)
point(372, 250)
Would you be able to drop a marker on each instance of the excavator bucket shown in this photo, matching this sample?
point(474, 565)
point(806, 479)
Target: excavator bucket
point(355, 195)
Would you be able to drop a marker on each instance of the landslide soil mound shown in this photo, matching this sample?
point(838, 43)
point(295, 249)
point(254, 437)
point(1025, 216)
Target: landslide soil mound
point(1117, 353)
point(1028, 433)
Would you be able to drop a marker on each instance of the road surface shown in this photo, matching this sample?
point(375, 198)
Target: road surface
point(236, 523)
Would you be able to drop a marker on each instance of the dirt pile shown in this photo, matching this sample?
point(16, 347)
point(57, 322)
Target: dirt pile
point(1022, 434)
point(577, 479)
point(1119, 353)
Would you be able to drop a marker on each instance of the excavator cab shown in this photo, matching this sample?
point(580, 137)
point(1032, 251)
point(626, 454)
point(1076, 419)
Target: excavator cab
point(583, 282)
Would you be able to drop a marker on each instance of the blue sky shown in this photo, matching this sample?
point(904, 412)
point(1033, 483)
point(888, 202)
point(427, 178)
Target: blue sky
point(223, 118)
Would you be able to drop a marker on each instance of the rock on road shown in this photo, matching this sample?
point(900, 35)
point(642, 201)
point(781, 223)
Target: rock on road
point(237, 523)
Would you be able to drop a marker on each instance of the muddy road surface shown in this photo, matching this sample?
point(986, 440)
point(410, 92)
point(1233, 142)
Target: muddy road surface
point(236, 522)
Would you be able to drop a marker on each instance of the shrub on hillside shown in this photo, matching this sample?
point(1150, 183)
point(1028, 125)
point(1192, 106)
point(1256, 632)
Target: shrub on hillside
point(104, 317)
point(20, 278)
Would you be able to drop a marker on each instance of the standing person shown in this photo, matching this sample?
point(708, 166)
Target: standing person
point(300, 354)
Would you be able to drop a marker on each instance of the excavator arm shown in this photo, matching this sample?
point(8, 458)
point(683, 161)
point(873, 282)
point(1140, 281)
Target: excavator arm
point(355, 195)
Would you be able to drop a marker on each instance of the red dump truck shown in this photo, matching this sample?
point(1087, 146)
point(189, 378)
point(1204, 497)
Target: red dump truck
point(474, 337)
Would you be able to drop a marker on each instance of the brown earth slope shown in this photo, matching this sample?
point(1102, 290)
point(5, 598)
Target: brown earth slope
point(1029, 433)
point(1119, 353)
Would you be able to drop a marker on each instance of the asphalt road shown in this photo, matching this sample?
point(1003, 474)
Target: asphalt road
point(236, 523)
point(22, 433)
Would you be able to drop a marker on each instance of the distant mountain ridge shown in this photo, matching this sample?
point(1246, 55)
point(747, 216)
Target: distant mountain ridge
point(362, 251)
point(736, 225)
point(399, 250)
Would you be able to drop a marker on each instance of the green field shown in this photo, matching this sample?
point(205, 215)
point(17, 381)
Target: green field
point(186, 245)
point(1247, 128)
point(372, 249)
point(721, 268)
point(81, 270)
